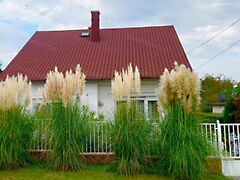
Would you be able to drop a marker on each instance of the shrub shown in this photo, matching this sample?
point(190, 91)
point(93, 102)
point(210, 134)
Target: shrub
point(68, 132)
point(15, 122)
point(42, 112)
point(98, 129)
point(232, 106)
point(229, 111)
point(210, 117)
point(129, 131)
point(68, 125)
point(182, 148)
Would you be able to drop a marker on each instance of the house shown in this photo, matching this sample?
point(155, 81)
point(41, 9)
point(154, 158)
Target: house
point(100, 52)
point(218, 107)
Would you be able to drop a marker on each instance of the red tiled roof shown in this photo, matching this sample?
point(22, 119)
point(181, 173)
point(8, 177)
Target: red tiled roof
point(150, 48)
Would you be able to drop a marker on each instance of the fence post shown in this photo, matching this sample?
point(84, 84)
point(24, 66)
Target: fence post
point(219, 135)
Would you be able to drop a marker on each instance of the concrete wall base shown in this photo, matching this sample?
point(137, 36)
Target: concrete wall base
point(88, 158)
point(231, 167)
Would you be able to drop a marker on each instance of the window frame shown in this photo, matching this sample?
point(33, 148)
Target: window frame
point(146, 98)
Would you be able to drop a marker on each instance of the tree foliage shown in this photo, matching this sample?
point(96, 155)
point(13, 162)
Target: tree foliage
point(212, 88)
point(232, 108)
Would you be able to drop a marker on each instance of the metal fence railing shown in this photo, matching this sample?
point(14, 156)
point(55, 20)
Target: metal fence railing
point(41, 135)
point(230, 136)
point(97, 139)
point(224, 139)
point(209, 132)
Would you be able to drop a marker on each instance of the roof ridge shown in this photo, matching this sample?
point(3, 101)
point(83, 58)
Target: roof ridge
point(109, 28)
point(139, 27)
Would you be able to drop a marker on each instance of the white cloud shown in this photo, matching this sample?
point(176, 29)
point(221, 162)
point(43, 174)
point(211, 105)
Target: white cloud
point(11, 40)
point(48, 14)
point(228, 63)
point(229, 66)
point(6, 54)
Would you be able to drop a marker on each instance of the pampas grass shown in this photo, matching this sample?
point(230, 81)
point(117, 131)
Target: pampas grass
point(62, 93)
point(67, 141)
point(126, 84)
point(15, 122)
point(15, 91)
point(180, 85)
point(182, 149)
point(129, 131)
point(68, 88)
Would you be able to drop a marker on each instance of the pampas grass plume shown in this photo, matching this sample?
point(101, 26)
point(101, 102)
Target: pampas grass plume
point(180, 85)
point(15, 91)
point(68, 87)
point(126, 84)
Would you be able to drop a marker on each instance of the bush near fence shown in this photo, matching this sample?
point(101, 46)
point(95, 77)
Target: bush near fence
point(223, 138)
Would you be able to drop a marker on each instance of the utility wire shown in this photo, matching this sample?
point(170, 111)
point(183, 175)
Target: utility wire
point(223, 51)
point(193, 49)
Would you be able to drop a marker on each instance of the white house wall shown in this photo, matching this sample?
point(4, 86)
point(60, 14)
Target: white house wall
point(105, 100)
point(36, 93)
point(90, 96)
point(217, 109)
point(97, 94)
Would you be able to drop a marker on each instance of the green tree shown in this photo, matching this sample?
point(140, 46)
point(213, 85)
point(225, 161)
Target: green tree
point(232, 110)
point(212, 87)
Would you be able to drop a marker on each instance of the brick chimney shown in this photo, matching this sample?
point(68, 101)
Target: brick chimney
point(95, 31)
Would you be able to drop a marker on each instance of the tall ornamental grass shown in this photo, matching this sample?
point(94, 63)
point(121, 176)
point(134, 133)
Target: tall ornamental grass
point(182, 148)
point(62, 93)
point(15, 122)
point(129, 130)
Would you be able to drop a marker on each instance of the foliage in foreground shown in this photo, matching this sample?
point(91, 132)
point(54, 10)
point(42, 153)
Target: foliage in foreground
point(15, 123)
point(62, 93)
point(68, 131)
point(130, 133)
point(183, 151)
point(129, 128)
point(15, 134)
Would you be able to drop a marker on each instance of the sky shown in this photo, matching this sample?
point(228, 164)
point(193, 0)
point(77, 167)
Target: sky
point(195, 22)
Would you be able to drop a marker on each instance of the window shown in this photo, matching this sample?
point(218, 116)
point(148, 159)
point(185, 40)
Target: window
point(148, 105)
point(141, 106)
point(153, 110)
point(85, 34)
point(37, 102)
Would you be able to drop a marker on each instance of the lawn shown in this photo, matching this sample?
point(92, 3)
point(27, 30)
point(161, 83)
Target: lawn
point(96, 172)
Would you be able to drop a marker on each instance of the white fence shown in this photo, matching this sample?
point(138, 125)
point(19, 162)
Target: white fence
point(224, 139)
point(209, 131)
point(97, 140)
